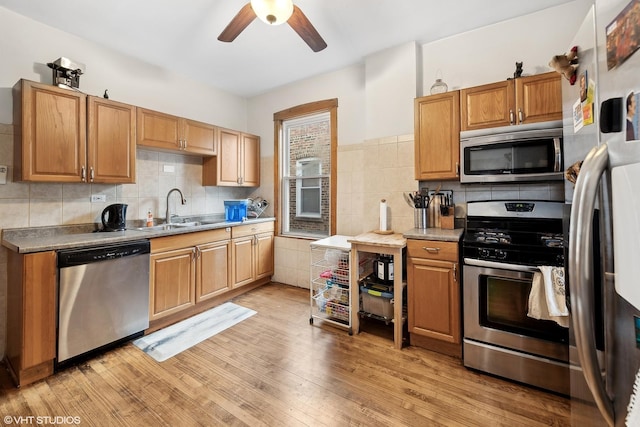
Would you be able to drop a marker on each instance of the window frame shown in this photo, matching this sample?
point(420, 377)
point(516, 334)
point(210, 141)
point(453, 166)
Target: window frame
point(312, 108)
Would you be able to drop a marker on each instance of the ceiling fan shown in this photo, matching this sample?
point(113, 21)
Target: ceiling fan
point(274, 12)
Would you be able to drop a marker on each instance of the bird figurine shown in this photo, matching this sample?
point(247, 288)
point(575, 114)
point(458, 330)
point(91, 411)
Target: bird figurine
point(106, 95)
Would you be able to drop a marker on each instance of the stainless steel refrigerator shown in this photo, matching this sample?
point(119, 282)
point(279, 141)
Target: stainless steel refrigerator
point(605, 316)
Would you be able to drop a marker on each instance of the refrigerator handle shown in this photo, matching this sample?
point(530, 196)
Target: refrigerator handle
point(581, 274)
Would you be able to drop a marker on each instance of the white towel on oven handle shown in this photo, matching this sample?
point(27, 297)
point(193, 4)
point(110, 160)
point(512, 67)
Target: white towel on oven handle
point(547, 300)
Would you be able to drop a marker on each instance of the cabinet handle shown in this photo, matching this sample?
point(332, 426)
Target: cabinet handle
point(510, 116)
point(83, 174)
point(185, 144)
point(455, 272)
point(91, 174)
point(457, 168)
point(196, 253)
point(520, 115)
point(431, 250)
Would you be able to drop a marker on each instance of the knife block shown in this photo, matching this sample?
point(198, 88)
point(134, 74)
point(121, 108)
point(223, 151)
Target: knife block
point(447, 221)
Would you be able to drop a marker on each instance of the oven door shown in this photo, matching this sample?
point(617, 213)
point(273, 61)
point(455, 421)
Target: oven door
point(495, 311)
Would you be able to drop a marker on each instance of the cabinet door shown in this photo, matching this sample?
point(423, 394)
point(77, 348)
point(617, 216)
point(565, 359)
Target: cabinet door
point(250, 156)
point(199, 138)
point(214, 274)
point(437, 136)
point(111, 147)
point(243, 261)
point(539, 98)
point(172, 282)
point(157, 130)
point(228, 157)
point(264, 255)
point(488, 106)
point(433, 299)
point(52, 125)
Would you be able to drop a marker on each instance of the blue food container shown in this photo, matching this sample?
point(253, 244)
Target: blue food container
point(235, 210)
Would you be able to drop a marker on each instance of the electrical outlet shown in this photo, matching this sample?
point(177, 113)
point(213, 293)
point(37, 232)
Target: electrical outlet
point(98, 198)
point(168, 168)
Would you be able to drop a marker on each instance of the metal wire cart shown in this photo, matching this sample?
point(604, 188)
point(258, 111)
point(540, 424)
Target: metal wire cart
point(330, 281)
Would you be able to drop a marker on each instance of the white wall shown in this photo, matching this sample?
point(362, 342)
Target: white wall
point(390, 87)
point(489, 54)
point(27, 46)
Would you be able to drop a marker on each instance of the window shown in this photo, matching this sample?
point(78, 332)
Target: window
point(309, 188)
point(306, 147)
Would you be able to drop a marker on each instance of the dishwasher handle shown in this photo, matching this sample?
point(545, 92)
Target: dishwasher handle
point(72, 257)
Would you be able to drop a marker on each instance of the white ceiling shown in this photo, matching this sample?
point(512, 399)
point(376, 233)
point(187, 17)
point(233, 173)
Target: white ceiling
point(182, 35)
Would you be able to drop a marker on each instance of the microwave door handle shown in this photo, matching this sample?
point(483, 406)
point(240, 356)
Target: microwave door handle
point(558, 154)
point(581, 274)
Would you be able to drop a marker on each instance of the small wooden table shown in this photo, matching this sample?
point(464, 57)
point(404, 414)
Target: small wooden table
point(386, 244)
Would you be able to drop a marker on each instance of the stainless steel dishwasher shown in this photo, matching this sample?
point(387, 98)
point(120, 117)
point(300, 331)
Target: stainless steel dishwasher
point(103, 296)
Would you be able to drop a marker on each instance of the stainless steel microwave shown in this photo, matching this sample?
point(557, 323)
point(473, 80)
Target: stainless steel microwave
point(512, 154)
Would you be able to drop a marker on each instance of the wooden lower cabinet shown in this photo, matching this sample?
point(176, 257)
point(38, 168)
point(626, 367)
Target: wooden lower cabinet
point(213, 270)
point(252, 249)
point(172, 277)
point(180, 272)
point(31, 315)
point(195, 271)
point(433, 287)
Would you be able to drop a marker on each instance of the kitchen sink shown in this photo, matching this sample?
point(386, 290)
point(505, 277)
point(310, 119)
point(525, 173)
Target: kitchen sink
point(170, 226)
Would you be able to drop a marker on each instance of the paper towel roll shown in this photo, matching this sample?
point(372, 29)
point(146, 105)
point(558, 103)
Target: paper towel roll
point(383, 215)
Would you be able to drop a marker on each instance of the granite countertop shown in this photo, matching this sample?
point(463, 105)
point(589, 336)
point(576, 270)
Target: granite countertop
point(38, 239)
point(434, 234)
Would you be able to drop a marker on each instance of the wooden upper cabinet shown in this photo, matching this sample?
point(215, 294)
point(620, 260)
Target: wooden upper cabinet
point(111, 141)
point(518, 101)
point(157, 130)
point(539, 98)
point(50, 133)
point(250, 160)
point(166, 132)
point(199, 138)
point(437, 136)
point(486, 106)
point(63, 135)
point(237, 163)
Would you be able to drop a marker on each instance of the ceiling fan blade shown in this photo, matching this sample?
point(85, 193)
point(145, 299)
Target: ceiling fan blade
point(301, 25)
point(238, 24)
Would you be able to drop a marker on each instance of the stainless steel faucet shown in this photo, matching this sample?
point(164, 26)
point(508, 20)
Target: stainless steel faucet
point(182, 200)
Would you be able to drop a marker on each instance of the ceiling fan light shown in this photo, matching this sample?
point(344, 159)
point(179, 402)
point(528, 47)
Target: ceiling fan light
point(274, 12)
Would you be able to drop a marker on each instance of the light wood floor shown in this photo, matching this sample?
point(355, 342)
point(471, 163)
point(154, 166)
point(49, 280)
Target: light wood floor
point(276, 369)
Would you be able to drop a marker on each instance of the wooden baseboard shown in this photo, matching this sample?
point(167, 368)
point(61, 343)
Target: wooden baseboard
point(447, 348)
point(203, 306)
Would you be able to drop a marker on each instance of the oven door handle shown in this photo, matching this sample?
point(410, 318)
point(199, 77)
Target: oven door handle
point(500, 265)
point(581, 274)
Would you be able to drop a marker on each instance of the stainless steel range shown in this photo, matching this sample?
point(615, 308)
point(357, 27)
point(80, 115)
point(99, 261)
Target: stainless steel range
point(505, 242)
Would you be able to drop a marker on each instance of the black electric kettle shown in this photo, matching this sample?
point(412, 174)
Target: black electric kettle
point(114, 217)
